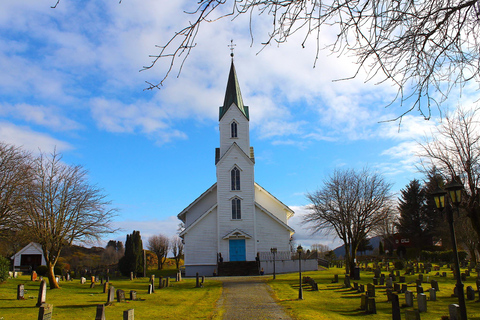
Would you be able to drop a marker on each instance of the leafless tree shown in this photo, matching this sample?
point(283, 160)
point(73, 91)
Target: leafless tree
point(321, 249)
point(61, 207)
point(424, 47)
point(453, 148)
point(160, 245)
point(177, 250)
point(15, 176)
point(351, 205)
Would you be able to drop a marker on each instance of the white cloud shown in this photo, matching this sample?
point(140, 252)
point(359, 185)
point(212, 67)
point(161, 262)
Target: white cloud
point(31, 140)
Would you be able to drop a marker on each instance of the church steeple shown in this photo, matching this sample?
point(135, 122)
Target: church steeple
point(233, 95)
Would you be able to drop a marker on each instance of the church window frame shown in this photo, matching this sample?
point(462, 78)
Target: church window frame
point(236, 208)
point(235, 179)
point(234, 129)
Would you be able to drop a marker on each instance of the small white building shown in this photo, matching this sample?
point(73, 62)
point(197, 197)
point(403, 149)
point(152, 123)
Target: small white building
point(235, 218)
point(30, 256)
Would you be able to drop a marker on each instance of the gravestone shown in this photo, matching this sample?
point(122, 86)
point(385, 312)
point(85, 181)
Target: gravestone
point(82, 280)
point(92, 279)
point(397, 273)
point(377, 273)
point(444, 274)
point(375, 281)
point(371, 306)
point(404, 288)
point(401, 279)
point(42, 293)
point(412, 315)
point(179, 276)
point(111, 295)
point(33, 277)
point(418, 282)
point(131, 275)
point(389, 293)
point(150, 290)
point(335, 279)
point(396, 287)
point(394, 277)
point(361, 288)
point(370, 290)
point(128, 314)
point(419, 289)
point(21, 292)
point(67, 277)
point(420, 277)
point(133, 295)
point(57, 279)
point(470, 293)
point(167, 281)
point(160, 283)
point(363, 302)
point(454, 311)
point(409, 298)
point(45, 312)
point(434, 284)
point(395, 307)
point(422, 302)
point(152, 283)
point(105, 287)
point(92, 285)
point(382, 281)
point(355, 286)
point(389, 283)
point(198, 285)
point(120, 295)
point(455, 292)
point(433, 294)
point(100, 312)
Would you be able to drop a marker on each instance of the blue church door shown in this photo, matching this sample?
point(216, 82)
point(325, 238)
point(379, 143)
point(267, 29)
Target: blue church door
point(237, 250)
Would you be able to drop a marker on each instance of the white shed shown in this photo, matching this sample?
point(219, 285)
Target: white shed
point(30, 256)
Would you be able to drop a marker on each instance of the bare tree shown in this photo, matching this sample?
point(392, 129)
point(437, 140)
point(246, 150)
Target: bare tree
point(352, 205)
point(61, 207)
point(424, 47)
point(453, 148)
point(15, 176)
point(177, 250)
point(160, 245)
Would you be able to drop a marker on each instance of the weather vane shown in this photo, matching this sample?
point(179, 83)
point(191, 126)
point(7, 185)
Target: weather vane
point(232, 47)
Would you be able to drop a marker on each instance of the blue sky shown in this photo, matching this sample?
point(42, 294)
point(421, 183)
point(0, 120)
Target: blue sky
point(70, 79)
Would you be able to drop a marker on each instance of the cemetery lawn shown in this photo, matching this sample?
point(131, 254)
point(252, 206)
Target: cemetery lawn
point(333, 302)
point(76, 301)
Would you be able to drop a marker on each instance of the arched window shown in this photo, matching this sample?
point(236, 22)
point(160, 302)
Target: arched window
point(233, 128)
point(235, 178)
point(236, 209)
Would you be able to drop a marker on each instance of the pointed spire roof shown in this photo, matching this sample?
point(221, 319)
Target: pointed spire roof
point(233, 94)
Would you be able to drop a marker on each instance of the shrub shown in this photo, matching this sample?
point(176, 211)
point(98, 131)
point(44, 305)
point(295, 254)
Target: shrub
point(42, 270)
point(4, 268)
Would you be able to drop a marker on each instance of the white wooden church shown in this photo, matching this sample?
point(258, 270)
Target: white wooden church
point(236, 218)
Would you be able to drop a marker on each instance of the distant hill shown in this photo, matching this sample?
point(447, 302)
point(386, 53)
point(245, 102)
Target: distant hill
point(375, 241)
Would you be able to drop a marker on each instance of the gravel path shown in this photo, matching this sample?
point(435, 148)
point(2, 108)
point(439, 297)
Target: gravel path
point(248, 298)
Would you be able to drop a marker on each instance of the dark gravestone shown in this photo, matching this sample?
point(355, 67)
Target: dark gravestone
point(420, 277)
point(92, 285)
point(404, 288)
point(375, 281)
point(396, 287)
point(346, 282)
point(434, 284)
point(160, 283)
point(389, 283)
point(20, 292)
point(419, 289)
point(128, 314)
point(395, 307)
point(111, 295)
point(422, 302)
point(100, 312)
point(409, 298)
point(198, 285)
point(418, 282)
point(133, 295)
point(356, 273)
point(470, 293)
point(389, 293)
point(371, 306)
point(402, 279)
point(355, 286)
point(377, 273)
point(412, 315)
point(120, 295)
point(335, 279)
point(455, 292)
point(45, 312)
point(371, 290)
point(454, 311)
point(382, 281)
point(361, 288)
point(444, 274)
point(42, 293)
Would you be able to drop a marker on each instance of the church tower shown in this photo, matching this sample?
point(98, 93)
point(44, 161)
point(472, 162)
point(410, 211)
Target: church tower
point(235, 177)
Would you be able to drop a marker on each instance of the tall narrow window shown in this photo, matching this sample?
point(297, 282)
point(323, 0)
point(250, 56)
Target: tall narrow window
point(233, 128)
point(236, 209)
point(235, 178)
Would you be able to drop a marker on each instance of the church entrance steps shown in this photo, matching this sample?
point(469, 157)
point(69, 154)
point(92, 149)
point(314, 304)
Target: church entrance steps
point(238, 268)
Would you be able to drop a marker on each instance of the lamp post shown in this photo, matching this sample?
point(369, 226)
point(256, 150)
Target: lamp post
point(455, 194)
point(274, 252)
point(300, 291)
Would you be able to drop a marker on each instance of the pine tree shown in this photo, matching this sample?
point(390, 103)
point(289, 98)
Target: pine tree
point(132, 261)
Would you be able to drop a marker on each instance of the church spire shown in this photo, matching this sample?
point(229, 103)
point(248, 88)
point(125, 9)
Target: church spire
point(233, 94)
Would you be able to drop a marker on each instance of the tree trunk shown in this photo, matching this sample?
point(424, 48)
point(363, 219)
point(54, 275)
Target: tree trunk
point(51, 276)
point(347, 259)
point(352, 263)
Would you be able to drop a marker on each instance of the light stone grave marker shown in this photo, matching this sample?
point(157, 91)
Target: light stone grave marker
point(42, 293)
point(100, 315)
point(422, 302)
point(45, 312)
point(21, 292)
point(454, 311)
point(128, 314)
point(433, 294)
point(120, 295)
point(409, 298)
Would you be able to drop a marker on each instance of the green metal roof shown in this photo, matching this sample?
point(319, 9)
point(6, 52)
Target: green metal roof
point(233, 95)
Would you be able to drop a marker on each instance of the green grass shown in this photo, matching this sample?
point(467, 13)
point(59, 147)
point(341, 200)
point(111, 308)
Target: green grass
point(77, 301)
point(332, 301)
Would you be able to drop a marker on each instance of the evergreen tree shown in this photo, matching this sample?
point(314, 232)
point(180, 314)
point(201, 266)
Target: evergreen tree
point(412, 222)
point(132, 261)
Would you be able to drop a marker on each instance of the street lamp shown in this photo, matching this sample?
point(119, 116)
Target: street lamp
point(455, 193)
point(273, 251)
point(300, 291)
